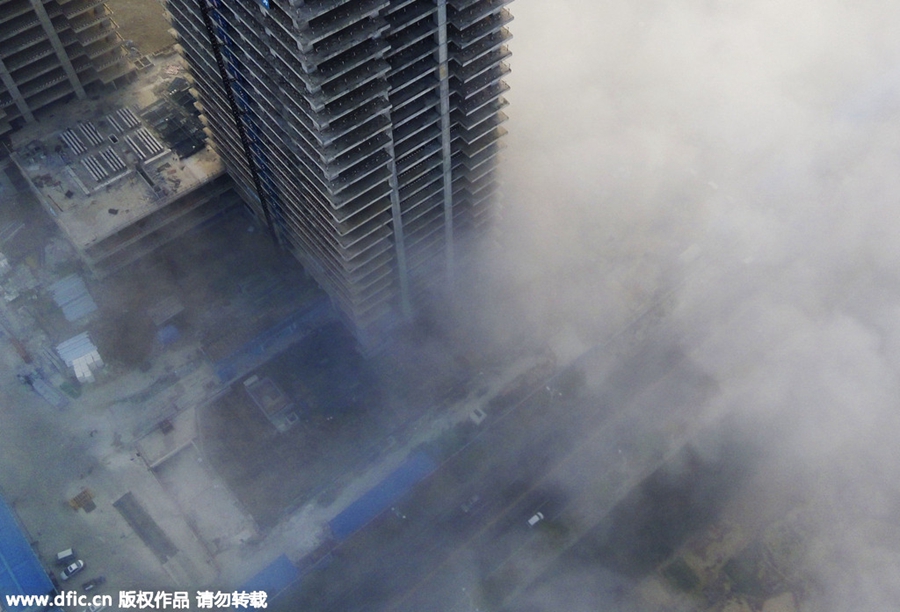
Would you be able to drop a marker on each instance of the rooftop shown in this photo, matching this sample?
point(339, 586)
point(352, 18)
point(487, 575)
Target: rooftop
point(101, 165)
point(20, 571)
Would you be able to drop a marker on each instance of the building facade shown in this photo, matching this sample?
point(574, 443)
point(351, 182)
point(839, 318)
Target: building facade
point(362, 133)
point(51, 50)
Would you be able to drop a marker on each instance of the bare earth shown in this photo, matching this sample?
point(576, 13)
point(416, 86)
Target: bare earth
point(142, 21)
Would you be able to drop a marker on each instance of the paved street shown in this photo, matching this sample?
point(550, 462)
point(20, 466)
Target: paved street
point(571, 454)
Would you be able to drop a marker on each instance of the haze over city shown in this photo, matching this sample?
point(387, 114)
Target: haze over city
point(735, 162)
point(666, 378)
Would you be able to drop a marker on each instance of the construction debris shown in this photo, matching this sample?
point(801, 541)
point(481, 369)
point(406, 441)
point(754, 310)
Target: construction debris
point(80, 354)
point(72, 296)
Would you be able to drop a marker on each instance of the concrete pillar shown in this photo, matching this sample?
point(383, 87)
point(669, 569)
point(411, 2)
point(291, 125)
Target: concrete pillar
point(58, 48)
point(444, 76)
point(13, 90)
point(397, 223)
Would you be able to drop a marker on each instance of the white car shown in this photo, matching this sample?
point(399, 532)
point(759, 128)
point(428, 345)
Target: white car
point(470, 503)
point(535, 519)
point(71, 570)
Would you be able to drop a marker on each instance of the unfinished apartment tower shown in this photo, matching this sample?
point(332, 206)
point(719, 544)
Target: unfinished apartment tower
point(51, 50)
point(363, 133)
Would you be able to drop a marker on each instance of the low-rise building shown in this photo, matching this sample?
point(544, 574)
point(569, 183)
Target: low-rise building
point(126, 173)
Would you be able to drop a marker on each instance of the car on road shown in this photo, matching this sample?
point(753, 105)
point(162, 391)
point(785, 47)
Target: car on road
point(536, 518)
point(95, 608)
point(71, 570)
point(398, 513)
point(468, 505)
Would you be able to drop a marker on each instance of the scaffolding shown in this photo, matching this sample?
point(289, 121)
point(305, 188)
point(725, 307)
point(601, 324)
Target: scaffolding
point(51, 50)
point(363, 133)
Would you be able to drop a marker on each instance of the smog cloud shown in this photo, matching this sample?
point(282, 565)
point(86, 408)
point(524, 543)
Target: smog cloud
point(736, 163)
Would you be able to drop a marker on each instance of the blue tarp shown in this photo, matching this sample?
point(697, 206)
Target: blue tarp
point(21, 573)
point(168, 334)
point(387, 493)
point(275, 578)
point(279, 336)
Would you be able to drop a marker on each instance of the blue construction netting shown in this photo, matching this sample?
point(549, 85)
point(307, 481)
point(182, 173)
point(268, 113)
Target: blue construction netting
point(276, 577)
point(386, 494)
point(21, 573)
point(282, 334)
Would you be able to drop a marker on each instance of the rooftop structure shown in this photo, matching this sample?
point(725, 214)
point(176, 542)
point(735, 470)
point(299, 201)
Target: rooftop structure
point(52, 50)
point(362, 133)
point(21, 572)
point(124, 174)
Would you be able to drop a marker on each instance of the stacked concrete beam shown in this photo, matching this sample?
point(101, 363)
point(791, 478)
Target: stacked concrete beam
point(363, 133)
point(51, 50)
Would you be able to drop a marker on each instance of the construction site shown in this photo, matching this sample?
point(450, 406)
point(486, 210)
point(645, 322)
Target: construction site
point(53, 52)
point(124, 174)
point(364, 135)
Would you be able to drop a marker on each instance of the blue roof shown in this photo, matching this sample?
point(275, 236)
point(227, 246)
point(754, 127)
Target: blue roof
point(287, 331)
point(387, 493)
point(276, 577)
point(21, 573)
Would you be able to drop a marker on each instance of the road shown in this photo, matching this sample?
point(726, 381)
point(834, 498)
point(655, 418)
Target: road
point(570, 453)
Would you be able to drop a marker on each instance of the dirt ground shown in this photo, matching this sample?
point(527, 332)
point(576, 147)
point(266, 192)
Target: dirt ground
point(338, 400)
point(226, 277)
point(142, 21)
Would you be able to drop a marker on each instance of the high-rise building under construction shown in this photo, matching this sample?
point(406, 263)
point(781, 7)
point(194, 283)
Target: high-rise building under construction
point(51, 50)
point(362, 133)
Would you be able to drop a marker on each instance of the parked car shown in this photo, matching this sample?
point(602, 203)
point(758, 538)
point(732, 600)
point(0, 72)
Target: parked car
point(66, 557)
point(94, 608)
point(536, 518)
point(71, 570)
point(92, 584)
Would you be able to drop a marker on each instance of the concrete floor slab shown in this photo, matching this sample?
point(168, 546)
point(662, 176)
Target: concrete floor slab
point(145, 527)
point(205, 501)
